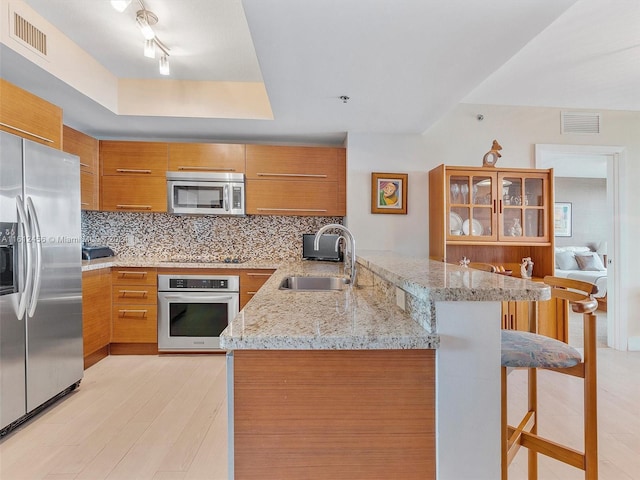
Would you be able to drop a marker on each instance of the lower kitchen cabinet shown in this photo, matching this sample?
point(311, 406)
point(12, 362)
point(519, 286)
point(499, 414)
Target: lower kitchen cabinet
point(250, 283)
point(96, 315)
point(134, 318)
point(515, 315)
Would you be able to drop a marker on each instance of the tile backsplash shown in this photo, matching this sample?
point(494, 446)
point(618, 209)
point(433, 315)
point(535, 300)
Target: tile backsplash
point(160, 235)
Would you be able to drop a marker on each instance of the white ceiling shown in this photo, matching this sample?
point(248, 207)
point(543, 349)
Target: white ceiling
point(404, 64)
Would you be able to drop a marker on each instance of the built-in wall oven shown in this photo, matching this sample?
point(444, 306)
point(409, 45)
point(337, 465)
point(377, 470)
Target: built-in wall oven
point(193, 310)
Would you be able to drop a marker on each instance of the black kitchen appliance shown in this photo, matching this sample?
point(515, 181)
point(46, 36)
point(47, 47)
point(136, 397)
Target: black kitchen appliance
point(327, 251)
point(91, 253)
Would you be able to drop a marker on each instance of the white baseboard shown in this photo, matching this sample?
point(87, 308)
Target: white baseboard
point(633, 344)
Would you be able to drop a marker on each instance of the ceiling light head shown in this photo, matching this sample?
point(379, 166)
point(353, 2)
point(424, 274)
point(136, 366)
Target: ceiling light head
point(145, 19)
point(120, 5)
point(150, 48)
point(164, 65)
point(344, 98)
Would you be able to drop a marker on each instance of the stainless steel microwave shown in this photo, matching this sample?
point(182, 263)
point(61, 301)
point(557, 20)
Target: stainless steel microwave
point(205, 193)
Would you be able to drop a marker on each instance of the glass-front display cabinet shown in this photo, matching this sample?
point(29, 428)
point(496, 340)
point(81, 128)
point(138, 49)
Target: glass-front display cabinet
point(497, 206)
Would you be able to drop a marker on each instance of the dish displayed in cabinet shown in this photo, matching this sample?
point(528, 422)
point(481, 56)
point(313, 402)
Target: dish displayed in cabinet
point(476, 227)
point(455, 223)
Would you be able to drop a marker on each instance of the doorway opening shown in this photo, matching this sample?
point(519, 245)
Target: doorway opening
point(587, 164)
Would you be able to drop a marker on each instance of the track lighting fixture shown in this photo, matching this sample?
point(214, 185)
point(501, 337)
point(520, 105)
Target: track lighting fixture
point(150, 49)
point(145, 19)
point(164, 65)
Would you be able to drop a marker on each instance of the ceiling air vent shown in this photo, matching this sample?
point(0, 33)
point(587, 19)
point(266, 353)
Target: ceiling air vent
point(29, 34)
point(580, 123)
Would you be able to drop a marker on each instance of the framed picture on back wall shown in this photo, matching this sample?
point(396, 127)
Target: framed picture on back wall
point(562, 219)
point(389, 192)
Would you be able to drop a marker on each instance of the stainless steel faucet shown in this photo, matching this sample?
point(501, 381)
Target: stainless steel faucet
point(350, 240)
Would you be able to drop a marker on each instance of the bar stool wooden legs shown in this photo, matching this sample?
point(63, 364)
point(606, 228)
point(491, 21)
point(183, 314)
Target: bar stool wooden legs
point(532, 351)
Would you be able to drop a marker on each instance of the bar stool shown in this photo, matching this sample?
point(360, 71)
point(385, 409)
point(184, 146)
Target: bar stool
point(532, 351)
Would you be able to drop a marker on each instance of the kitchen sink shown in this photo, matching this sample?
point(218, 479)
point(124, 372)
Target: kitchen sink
point(313, 284)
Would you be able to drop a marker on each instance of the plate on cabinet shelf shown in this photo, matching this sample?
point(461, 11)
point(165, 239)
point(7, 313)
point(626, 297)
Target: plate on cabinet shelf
point(476, 228)
point(455, 223)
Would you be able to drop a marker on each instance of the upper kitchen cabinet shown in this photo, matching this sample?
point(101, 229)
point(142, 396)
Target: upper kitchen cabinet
point(85, 147)
point(134, 176)
point(29, 116)
point(207, 157)
point(308, 181)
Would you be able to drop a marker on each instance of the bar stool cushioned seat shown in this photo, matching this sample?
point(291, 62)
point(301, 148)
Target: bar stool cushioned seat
point(530, 350)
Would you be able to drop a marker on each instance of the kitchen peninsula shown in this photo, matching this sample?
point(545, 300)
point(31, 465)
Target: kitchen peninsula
point(346, 384)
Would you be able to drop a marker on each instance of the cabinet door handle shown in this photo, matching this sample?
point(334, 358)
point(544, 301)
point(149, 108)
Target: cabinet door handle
point(84, 164)
point(500, 206)
point(124, 293)
point(132, 170)
point(134, 207)
point(259, 274)
point(512, 323)
point(292, 209)
point(251, 293)
point(84, 203)
point(494, 207)
point(26, 132)
point(124, 273)
point(303, 175)
point(124, 313)
point(206, 169)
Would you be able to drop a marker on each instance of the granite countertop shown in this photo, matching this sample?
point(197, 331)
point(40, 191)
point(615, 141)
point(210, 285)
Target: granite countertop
point(351, 319)
point(118, 261)
point(437, 281)
point(362, 317)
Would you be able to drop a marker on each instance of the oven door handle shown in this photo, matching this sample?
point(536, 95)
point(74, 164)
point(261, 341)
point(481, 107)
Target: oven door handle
point(187, 298)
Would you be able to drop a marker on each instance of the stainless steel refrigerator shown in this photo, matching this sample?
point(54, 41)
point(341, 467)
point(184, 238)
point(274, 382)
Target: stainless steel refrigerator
point(41, 291)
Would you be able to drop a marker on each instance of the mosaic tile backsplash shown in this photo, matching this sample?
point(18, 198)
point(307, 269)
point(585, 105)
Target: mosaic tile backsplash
point(204, 238)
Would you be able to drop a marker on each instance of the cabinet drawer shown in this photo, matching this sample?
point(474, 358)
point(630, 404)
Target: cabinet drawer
point(135, 295)
point(134, 324)
point(252, 281)
point(133, 276)
point(284, 197)
point(134, 158)
point(206, 157)
point(134, 194)
point(292, 163)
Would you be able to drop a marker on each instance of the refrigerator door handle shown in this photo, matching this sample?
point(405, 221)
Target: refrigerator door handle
point(37, 240)
point(24, 265)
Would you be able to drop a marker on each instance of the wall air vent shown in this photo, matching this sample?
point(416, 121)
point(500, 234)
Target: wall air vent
point(29, 34)
point(580, 123)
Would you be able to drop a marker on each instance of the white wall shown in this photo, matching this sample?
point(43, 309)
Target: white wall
point(460, 139)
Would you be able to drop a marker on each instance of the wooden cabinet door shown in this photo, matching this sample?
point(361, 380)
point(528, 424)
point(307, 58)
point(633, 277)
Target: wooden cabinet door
point(29, 116)
point(284, 197)
point(85, 147)
point(292, 163)
point(472, 205)
point(134, 194)
point(96, 312)
point(516, 315)
point(524, 207)
point(207, 157)
point(134, 158)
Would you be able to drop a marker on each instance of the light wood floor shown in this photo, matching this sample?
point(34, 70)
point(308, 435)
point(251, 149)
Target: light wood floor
point(164, 418)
